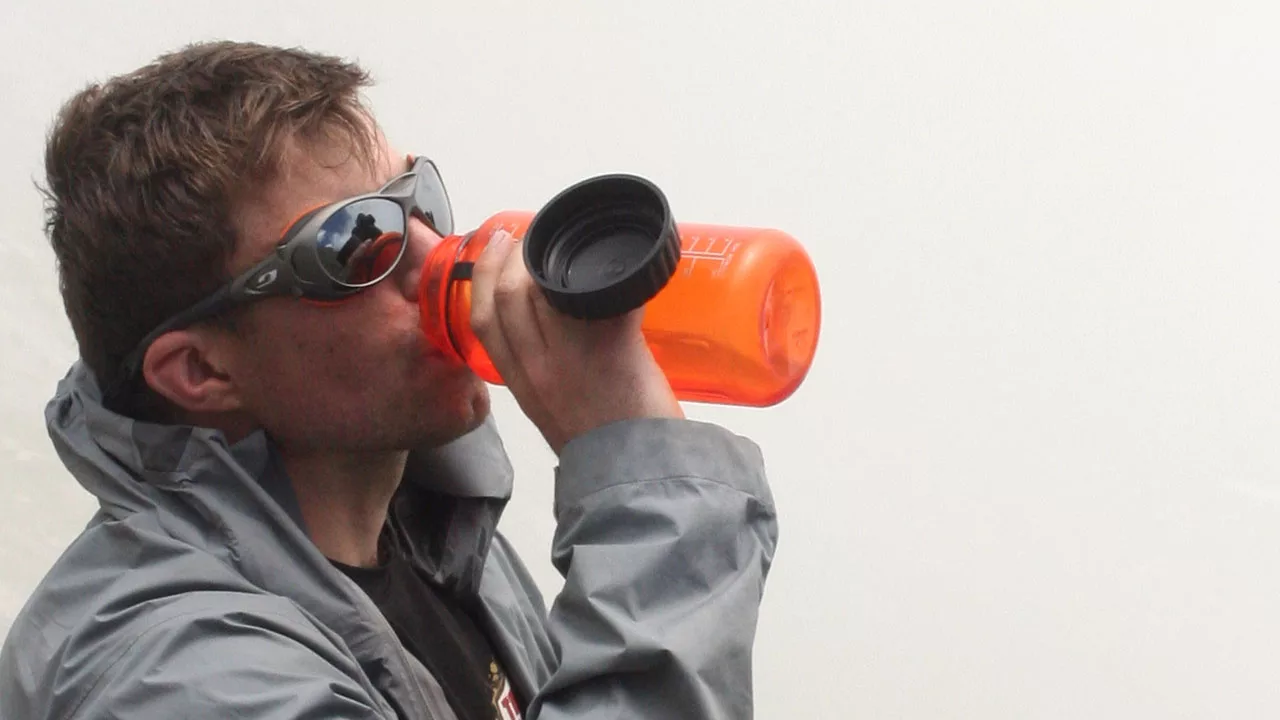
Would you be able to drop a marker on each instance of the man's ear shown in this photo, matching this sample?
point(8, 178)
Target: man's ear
point(190, 369)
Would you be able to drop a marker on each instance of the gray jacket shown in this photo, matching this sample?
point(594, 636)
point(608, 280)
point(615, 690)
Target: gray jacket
point(195, 592)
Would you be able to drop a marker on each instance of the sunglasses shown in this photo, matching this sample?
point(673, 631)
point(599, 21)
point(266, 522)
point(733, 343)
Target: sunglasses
point(327, 254)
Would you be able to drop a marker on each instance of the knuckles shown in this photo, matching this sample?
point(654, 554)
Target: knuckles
point(481, 320)
point(508, 288)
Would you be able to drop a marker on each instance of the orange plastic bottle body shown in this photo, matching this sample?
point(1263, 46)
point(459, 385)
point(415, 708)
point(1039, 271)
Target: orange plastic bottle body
point(737, 324)
point(446, 305)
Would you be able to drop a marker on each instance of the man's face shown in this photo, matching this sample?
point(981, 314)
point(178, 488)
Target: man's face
point(358, 375)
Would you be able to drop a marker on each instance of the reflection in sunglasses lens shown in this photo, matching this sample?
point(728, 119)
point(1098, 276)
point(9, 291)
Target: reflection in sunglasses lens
point(354, 243)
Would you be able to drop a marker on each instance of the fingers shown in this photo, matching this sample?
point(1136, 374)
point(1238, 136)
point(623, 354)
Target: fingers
point(504, 304)
point(484, 315)
point(515, 297)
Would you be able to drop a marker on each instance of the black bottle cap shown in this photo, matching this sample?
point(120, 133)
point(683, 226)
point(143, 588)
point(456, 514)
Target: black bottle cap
point(603, 247)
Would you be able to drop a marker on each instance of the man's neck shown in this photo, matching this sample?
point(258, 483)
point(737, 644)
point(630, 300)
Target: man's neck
point(344, 501)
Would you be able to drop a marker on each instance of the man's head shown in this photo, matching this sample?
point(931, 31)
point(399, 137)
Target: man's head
point(165, 183)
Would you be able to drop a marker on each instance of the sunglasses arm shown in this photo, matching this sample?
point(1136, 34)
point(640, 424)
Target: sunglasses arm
point(269, 277)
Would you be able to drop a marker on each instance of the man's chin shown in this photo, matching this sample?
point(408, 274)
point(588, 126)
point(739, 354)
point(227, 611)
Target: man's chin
point(480, 405)
point(456, 413)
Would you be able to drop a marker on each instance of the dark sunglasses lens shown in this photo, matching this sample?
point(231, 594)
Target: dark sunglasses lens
point(361, 242)
point(432, 200)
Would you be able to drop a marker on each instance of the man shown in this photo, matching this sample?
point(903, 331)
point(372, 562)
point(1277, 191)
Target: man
point(299, 497)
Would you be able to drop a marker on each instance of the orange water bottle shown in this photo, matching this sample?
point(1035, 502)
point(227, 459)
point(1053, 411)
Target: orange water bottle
point(731, 314)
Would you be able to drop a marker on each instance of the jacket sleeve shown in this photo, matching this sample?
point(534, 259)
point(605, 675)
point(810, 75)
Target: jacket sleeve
point(258, 663)
point(665, 534)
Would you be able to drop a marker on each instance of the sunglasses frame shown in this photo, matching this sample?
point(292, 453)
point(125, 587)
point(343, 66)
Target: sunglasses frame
point(294, 267)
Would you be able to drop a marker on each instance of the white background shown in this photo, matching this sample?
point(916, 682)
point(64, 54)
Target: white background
point(1033, 473)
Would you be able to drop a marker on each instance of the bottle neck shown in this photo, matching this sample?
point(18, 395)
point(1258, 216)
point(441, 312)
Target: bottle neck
point(444, 293)
point(437, 294)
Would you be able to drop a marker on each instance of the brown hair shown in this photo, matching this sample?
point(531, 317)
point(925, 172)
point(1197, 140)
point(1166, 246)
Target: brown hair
point(145, 171)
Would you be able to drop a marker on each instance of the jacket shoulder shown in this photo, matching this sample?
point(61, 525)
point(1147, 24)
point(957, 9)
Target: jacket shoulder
point(129, 619)
point(205, 652)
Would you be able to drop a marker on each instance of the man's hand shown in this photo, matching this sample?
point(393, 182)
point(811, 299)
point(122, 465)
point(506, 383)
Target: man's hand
point(569, 376)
